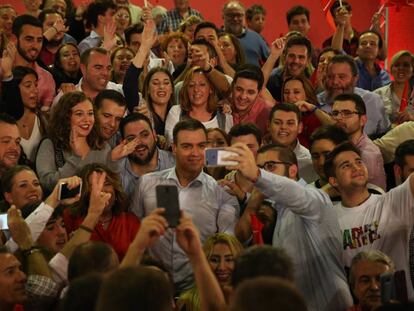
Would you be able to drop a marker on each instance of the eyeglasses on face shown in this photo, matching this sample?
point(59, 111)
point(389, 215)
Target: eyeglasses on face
point(343, 113)
point(271, 165)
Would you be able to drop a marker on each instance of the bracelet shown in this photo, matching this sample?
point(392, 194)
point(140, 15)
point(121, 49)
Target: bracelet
point(314, 109)
point(207, 71)
point(86, 228)
point(31, 250)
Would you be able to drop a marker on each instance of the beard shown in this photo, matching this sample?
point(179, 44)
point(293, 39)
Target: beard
point(55, 43)
point(25, 56)
point(137, 160)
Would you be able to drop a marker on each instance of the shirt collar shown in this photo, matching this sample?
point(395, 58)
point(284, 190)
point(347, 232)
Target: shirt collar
point(198, 181)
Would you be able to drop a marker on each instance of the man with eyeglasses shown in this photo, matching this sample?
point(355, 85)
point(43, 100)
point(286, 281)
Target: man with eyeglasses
point(306, 226)
point(341, 77)
point(349, 113)
point(370, 221)
point(253, 44)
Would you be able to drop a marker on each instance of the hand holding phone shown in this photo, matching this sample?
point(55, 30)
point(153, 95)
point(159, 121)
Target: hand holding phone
point(217, 157)
point(167, 198)
point(3, 222)
point(66, 193)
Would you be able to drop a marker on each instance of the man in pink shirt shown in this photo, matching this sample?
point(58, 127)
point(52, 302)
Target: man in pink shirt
point(29, 33)
point(246, 104)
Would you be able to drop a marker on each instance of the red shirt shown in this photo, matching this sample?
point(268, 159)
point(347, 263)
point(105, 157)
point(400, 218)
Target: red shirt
point(258, 114)
point(119, 234)
point(310, 124)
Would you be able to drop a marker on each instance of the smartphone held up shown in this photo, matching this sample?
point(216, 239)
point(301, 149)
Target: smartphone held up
point(215, 157)
point(167, 198)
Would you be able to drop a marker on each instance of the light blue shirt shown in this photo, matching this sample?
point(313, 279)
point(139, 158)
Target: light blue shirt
point(210, 206)
point(130, 179)
point(308, 229)
point(378, 122)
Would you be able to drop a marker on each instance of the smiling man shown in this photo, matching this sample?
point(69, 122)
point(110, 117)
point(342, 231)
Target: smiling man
point(246, 104)
point(341, 77)
point(284, 127)
point(297, 53)
point(9, 143)
point(110, 107)
point(12, 281)
point(147, 157)
point(370, 221)
point(210, 206)
point(29, 33)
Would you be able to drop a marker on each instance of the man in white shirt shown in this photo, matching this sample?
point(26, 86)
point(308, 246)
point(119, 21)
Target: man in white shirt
point(370, 221)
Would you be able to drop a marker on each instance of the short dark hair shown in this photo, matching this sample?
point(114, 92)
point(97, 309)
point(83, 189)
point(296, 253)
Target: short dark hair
point(187, 124)
point(22, 20)
point(329, 166)
point(210, 48)
point(97, 8)
point(82, 293)
point(333, 133)
point(297, 10)
point(19, 72)
point(253, 10)
point(345, 59)
point(6, 118)
point(90, 257)
point(243, 129)
point(43, 13)
point(264, 293)
point(285, 107)
point(285, 154)
point(84, 58)
point(262, 260)
point(112, 95)
point(250, 72)
point(137, 28)
point(133, 117)
point(404, 149)
point(337, 4)
point(206, 25)
point(356, 99)
point(380, 41)
point(299, 40)
point(136, 288)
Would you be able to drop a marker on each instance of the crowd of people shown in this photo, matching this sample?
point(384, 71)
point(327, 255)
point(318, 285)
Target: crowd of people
point(107, 101)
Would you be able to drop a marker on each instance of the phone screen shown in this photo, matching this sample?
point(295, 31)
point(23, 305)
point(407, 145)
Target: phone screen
point(66, 193)
point(3, 222)
point(216, 157)
point(167, 197)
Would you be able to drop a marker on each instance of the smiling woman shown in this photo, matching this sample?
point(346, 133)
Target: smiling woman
point(73, 141)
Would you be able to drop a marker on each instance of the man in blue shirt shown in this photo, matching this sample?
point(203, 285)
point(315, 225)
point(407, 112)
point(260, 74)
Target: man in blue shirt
point(371, 75)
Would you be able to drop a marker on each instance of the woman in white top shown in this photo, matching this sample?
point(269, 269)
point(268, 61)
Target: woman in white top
point(198, 100)
point(402, 67)
point(31, 124)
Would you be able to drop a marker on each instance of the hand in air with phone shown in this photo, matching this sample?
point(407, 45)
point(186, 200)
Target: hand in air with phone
point(66, 192)
point(246, 163)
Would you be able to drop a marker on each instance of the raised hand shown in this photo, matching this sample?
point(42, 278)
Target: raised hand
point(19, 229)
point(246, 161)
point(149, 34)
point(7, 60)
point(98, 199)
point(124, 149)
point(72, 182)
point(109, 39)
point(60, 26)
point(151, 229)
point(277, 47)
point(188, 237)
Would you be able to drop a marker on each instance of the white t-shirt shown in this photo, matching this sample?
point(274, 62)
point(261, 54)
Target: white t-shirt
point(384, 223)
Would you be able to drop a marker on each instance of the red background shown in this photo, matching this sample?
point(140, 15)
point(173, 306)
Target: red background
point(401, 24)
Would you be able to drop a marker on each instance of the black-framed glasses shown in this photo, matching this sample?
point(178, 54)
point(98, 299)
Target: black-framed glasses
point(343, 113)
point(271, 165)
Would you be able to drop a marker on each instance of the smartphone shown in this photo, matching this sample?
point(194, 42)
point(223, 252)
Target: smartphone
point(215, 157)
point(167, 197)
point(3, 222)
point(394, 287)
point(66, 193)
